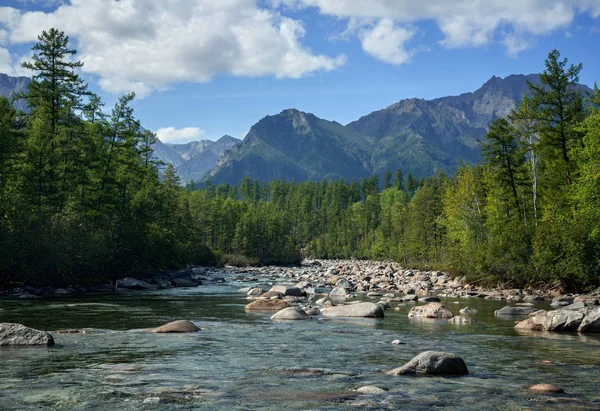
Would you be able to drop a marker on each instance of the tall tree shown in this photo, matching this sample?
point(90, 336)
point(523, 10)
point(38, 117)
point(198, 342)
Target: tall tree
point(502, 152)
point(558, 107)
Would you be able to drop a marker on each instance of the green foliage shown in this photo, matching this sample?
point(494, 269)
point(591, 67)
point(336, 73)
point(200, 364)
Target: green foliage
point(81, 199)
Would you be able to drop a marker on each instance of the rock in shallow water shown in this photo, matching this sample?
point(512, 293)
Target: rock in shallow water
point(291, 313)
point(546, 388)
point(288, 291)
point(18, 334)
point(371, 389)
point(266, 305)
point(555, 320)
point(591, 322)
point(431, 310)
point(134, 284)
point(508, 310)
point(338, 292)
point(433, 363)
point(179, 326)
point(366, 310)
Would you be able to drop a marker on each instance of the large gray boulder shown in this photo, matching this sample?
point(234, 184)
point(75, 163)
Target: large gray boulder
point(290, 313)
point(366, 310)
point(338, 292)
point(433, 363)
point(130, 283)
point(179, 326)
point(343, 283)
point(591, 322)
point(508, 310)
point(290, 291)
point(431, 310)
point(18, 334)
point(555, 320)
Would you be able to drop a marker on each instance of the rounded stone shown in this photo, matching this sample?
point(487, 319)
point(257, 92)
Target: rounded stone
point(290, 313)
point(546, 388)
point(179, 326)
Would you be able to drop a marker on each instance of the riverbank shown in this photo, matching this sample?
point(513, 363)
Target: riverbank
point(362, 276)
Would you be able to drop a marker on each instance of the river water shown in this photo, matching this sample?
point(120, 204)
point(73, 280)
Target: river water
point(246, 361)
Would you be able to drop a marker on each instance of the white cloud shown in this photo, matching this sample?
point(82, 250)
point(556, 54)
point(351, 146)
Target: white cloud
point(144, 45)
point(5, 61)
point(515, 44)
point(385, 41)
point(466, 23)
point(179, 135)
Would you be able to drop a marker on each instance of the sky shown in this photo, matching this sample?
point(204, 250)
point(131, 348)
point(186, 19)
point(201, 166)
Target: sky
point(205, 68)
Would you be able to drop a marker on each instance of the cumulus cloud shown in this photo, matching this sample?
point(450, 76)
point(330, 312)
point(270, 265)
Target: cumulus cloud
point(144, 45)
point(5, 61)
point(179, 135)
point(465, 23)
point(385, 41)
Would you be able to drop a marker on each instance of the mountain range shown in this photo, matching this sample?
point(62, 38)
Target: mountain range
point(193, 160)
point(414, 135)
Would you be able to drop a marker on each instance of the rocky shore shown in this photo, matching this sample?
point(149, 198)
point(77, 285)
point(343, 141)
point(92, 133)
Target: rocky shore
point(341, 280)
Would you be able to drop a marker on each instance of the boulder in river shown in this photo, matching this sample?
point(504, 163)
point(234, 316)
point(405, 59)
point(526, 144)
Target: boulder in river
point(255, 292)
point(431, 310)
point(266, 305)
point(555, 320)
point(591, 322)
point(433, 363)
point(130, 283)
point(366, 310)
point(508, 310)
point(291, 291)
point(18, 334)
point(338, 292)
point(291, 313)
point(546, 389)
point(343, 283)
point(467, 311)
point(179, 326)
point(371, 389)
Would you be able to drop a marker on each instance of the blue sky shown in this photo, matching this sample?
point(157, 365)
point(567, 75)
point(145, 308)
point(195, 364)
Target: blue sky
point(205, 68)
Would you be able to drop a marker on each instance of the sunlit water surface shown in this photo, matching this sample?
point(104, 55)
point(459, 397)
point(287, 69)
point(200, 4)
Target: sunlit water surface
point(246, 361)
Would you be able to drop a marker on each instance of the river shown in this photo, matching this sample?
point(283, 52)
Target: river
point(244, 361)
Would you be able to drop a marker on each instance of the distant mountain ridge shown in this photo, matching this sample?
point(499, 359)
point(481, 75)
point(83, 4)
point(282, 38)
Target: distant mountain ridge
point(194, 159)
point(9, 86)
point(415, 135)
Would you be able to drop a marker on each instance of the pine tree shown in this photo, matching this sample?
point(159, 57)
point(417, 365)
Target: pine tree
point(501, 150)
point(387, 180)
point(558, 107)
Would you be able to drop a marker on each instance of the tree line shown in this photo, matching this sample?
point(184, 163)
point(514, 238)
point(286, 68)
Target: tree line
point(81, 198)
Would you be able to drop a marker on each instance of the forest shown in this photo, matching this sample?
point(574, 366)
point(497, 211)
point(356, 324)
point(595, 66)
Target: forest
point(82, 199)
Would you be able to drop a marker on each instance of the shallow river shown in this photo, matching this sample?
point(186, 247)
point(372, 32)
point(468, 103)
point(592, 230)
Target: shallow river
point(246, 361)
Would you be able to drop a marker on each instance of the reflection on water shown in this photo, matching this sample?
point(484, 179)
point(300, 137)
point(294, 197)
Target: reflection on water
point(246, 361)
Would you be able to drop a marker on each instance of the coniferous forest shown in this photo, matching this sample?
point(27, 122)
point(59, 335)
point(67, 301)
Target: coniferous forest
point(81, 199)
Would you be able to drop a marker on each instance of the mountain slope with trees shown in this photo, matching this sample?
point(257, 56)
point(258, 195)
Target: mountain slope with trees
point(419, 136)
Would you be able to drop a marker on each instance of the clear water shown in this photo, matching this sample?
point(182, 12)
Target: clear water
point(246, 361)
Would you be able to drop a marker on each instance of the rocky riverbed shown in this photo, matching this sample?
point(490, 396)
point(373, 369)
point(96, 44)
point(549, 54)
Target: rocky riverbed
point(324, 335)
